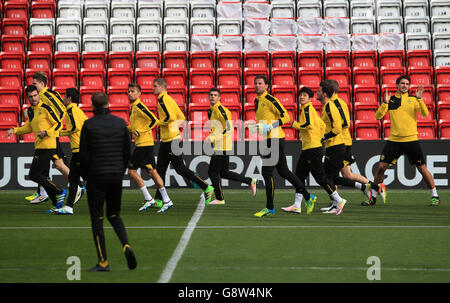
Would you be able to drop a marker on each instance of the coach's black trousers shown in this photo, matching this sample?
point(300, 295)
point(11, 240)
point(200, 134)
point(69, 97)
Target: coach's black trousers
point(166, 156)
point(99, 191)
point(39, 172)
point(334, 161)
point(275, 157)
point(218, 169)
point(74, 178)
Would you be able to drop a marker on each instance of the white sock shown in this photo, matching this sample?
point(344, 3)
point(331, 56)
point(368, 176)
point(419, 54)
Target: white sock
point(336, 198)
point(164, 194)
point(144, 191)
point(434, 192)
point(358, 185)
point(298, 200)
point(42, 191)
point(374, 193)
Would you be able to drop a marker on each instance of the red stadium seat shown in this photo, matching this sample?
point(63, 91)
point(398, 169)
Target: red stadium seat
point(256, 60)
point(367, 130)
point(38, 60)
point(428, 94)
point(228, 77)
point(198, 116)
point(90, 77)
point(179, 94)
point(87, 92)
point(345, 93)
point(198, 98)
point(426, 130)
point(341, 75)
point(365, 59)
point(283, 59)
point(118, 98)
point(365, 112)
point(442, 75)
point(231, 97)
point(197, 132)
point(419, 58)
point(14, 43)
point(148, 60)
point(202, 77)
point(121, 60)
point(16, 9)
point(392, 58)
point(229, 60)
point(310, 76)
point(310, 59)
point(286, 94)
point(44, 44)
point(145, 76)
point(12, 60)
point(204, 60)
point(9, 118)
point(119, 77)
point(69, 60)
point(175, 60)
point(444, 129)
point(175, 77)
point(249, 95)
point(43, 9)
point(64, 78)
point(284, 77)
point(10, 98)
point(421, 75)
point(149, 99)
point(13, 26)
point(290, 134)
point(443, 109)
point(443, 93)
point(95, 60)
point(124, 114)
point(6, 139)
point(365, 76)
point(251, 73)
point(11, 78)
point(389, 75)
point(338, 59)
point(366, 95)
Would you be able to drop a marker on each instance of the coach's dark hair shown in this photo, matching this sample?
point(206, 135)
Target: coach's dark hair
point(40, 76)
point(30, 89)
point(73, 94)
point(306, 90)
point(160, 82)
point(214, 89)
point(264, 77)
point(401, 78)
point(99, 99)
point(135, 85)
point(327, 89)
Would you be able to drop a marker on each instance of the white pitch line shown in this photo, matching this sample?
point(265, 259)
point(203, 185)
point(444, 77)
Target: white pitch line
point(227, 227)
point(171, 265)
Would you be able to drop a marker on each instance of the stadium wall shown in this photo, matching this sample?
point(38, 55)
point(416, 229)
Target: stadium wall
point(15, 160)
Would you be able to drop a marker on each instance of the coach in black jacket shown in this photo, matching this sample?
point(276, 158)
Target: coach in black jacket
point(104, 154)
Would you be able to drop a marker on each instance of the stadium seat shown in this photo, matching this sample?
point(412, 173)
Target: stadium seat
point(6, 139)
point(442, 75)
point(204, 60)
point(121, 60)
point(9, 118)
point(43, 9)
point(421, 75)
point(443, 93)
point(290, 134)
point(228, 77)
point(346, 94)
point(249, 95)
point(13, 26)
point(365, 112)
point(426, 130)
point(197, 132)
point(198, 98)
point(367, 130)
point(251, 73)
point(284, 77)
point(365, 59)
point(90, 77)
point(119, 77)
point(365, 75)
point(42, 44)
point(10, 98)
point(338, 59)
point(202, 77)
point(175, 77)
point(149, 99)
point(444, 129)
point(310, 59)
point(14, 43)
point(124, 114)
point(148, 59)
point(419, 58)
point(394, 58)
point(341, 75)
point(286, 94)
point(198, 116)
point(94, 60)
point(175, 60)
point(179, 94)
point(16, 9)
point(12, 60)
point(11, 78)
point(86, 94)
point(118, 98)
point(388, 75)
point(67, 60)
point(310, 76)
point(38, 60)
point(231, 60)
point(283, 59)
point(145, 76)
point(256, 60)
point(368, 95)
point(63, 78)
point(231, 97)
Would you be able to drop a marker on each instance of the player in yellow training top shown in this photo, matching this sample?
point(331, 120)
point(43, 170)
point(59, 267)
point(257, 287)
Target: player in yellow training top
point(403, 139)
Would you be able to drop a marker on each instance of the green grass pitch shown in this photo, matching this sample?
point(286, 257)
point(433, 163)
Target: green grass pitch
point(229, 244)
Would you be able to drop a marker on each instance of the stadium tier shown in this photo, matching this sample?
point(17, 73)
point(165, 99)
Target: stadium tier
point(198, 44)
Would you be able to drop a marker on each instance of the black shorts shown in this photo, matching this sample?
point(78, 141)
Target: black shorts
point(393, 150)
point(334, 160)
point(59, 152)
point(143, 157)
point(348, 157)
